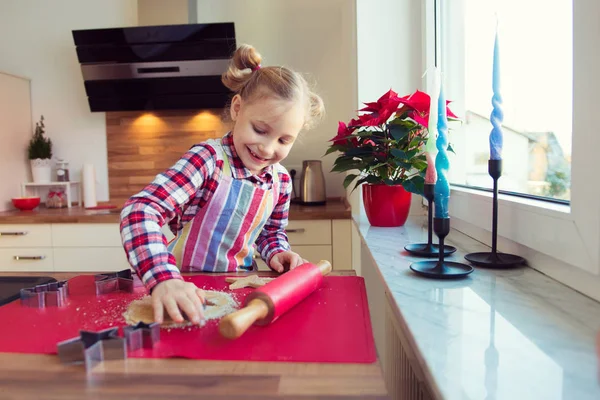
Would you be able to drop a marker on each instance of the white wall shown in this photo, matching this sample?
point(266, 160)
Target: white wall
point(314, 37)
point(389, 56)
point(36, 42)
point(161, 12)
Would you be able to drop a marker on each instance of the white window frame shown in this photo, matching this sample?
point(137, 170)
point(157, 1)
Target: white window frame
point(569, 233)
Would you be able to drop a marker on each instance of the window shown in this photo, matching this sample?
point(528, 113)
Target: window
point(536, 62)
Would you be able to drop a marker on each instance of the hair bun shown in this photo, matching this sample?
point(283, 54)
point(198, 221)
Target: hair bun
point(245, 60)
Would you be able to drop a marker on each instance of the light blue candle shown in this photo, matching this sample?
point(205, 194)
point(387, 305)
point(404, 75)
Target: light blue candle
point(497, 114)
point(442, 187)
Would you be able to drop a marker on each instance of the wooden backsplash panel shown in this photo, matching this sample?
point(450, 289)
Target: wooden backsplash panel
point(141, 145)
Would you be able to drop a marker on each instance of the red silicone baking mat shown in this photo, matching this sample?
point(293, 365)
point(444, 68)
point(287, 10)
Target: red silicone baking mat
point(331, 325)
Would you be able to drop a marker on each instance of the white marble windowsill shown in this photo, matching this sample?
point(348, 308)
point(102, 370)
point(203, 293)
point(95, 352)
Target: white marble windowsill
point(498, 334)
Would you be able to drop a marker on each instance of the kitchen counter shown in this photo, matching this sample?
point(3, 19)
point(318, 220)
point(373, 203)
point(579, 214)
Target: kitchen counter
point(333, 209)
point(30, 376)
point(498, 334)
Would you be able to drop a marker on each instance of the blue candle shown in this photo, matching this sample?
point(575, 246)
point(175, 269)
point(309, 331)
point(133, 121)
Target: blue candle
point(497, 114)
point(442, 187)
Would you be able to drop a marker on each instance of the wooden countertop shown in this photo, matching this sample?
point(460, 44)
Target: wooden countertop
point(333, 209)
point(32, 376)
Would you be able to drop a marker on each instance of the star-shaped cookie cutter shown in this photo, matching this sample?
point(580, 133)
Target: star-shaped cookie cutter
point(142, 335)
point(90, 348)
point(114, 282)
point(49, 294)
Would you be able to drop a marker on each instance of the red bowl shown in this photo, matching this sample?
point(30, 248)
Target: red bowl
point(26, 203)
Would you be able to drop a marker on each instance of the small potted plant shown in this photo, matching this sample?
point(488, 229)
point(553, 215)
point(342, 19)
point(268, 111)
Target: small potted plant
point(385, 146)
point(40, 154)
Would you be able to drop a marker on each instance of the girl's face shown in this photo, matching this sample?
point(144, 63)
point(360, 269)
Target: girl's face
point(265, 130)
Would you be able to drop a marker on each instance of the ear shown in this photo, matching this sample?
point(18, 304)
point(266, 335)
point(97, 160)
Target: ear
point(236, 105)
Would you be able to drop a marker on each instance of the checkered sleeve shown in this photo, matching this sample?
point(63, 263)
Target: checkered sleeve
point(273, 239)
point(146, 212)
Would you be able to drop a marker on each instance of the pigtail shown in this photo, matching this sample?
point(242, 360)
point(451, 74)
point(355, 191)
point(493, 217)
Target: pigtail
point(244, 61)
point(316, 110)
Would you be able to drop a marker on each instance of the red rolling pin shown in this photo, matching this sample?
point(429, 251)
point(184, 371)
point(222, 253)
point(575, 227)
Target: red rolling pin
point(265, 304)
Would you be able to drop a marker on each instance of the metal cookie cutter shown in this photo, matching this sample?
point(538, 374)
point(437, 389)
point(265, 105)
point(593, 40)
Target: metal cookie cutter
point(49, 294)
point(91, 348)
point(114, 282)
point(142, 335)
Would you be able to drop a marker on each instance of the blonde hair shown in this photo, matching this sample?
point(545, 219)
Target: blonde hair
point(246, 77)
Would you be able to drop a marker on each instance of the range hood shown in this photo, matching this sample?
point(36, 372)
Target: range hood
point(168, 67)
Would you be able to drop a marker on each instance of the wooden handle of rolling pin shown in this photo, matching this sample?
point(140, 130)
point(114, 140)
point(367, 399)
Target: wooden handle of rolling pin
point(232, 326)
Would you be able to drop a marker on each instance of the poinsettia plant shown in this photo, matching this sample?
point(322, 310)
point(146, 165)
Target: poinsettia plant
point(385, 142)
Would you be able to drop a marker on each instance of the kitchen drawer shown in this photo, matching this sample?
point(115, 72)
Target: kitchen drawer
point(30, 259)
point(91, 259)
point(309, 232)
point(25, 235)
point(311, 253)
point(86, 235)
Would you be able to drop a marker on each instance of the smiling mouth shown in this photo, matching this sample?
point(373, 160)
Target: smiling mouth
point(256, 155)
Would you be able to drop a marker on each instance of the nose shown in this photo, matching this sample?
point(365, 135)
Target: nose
point(266, 149)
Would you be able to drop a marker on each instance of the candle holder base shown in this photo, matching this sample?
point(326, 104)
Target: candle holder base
point(447, 270)
point(441, 269)
point(495, 260)
point(428, 250)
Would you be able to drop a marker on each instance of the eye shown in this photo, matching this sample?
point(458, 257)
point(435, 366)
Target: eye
point(284, 141)
point(260, 132)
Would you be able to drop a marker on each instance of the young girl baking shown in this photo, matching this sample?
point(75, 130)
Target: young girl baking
point(223, 195)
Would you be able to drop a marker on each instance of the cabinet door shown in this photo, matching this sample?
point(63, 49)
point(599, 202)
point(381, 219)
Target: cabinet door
point(311, 253)
point(90, 259)
point(309, 232)
point(26, 259)
point(25, 235)
point(86, 235)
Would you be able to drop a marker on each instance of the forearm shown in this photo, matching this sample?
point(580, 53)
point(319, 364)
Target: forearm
point(145, 244)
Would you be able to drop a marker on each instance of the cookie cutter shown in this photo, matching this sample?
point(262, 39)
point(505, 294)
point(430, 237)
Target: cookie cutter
point(49, 294)
point(114, 282)
point(142, 335)
point(91, 348)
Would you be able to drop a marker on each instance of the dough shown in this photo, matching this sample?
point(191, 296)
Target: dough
point(141, 310)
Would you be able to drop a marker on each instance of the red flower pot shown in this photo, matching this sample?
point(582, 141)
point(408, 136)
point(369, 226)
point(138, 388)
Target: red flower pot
point(386, 205)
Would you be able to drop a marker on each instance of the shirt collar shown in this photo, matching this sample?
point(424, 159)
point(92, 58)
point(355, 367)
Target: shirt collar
point(238, 169)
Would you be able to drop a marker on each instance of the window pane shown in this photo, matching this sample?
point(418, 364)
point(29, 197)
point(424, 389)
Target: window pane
point(536, 58)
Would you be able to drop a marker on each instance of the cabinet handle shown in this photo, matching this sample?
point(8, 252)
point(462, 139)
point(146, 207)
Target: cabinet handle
point(22, 233)
point(299, 230)
point(29, 257)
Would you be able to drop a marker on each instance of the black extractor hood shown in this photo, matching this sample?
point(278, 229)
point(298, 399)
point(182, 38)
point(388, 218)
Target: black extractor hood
point(170, 67)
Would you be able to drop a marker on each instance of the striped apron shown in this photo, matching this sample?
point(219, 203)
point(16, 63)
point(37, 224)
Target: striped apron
point(220, 237)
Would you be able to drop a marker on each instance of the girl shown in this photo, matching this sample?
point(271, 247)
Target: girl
point(223, 195)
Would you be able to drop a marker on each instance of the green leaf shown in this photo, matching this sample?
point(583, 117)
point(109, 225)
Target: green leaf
point(450, 148)
point(348, 180)
point(357, 151)
point(399, 153)
point(415, 184)
point(398, 132)
point(332, 149)
point(419, 164)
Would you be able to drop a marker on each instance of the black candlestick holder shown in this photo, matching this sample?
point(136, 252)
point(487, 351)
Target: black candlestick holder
point(494, 259)
point(428, 249)
point(441, 269)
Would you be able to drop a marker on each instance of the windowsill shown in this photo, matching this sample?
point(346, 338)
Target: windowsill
point(555, 210)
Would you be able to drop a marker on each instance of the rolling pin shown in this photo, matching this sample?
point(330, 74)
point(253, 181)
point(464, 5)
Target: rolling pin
point(264, 305)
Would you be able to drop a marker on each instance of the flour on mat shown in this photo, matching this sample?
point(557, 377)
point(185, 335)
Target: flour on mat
point(141, 310)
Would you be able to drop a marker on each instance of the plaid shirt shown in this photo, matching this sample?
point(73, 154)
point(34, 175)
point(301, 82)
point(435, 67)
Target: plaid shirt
point(176, 195)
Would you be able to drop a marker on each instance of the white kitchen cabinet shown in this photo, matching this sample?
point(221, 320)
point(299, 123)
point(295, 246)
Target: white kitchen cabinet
point(91, 259)
point(86, 235)
point(26, 259)
point(25, 235)
point(317, 240)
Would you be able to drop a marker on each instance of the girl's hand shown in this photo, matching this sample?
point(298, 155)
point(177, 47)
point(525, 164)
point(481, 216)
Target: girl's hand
point(177, 296)
point(287, 258)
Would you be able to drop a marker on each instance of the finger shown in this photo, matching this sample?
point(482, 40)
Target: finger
point(187, 306)
point(198, 303)
point(276, 265)
point(297, 262)
point(158, 307)
point(173, 309)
